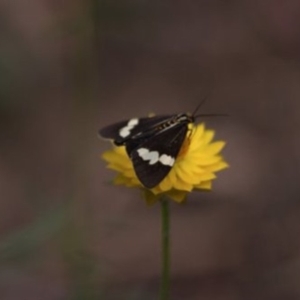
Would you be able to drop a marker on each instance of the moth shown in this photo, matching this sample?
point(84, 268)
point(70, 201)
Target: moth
point(152, 143)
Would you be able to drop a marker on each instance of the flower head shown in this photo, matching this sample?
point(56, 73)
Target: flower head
point(195, 167)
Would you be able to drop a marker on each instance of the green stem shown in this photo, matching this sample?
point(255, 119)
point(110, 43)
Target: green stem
point(165, 228)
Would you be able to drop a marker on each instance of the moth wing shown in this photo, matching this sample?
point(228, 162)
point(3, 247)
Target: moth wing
point(154, 158)
point(128, 128)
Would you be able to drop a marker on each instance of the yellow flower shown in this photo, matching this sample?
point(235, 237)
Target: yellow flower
point(195, 167)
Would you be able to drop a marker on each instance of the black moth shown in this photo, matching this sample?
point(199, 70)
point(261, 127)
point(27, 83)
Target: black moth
point(152, 143)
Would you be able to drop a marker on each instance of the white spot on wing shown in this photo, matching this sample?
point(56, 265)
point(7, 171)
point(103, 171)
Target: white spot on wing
point(167, 160)
point(125, 131)
point(142, 152)
point(133, 122)
point(153, 157)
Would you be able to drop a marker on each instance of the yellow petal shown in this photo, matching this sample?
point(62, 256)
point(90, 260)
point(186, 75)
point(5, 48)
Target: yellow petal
point(121, 180)
point(182, 185)
point(208, 160)
point(190, 164)
point(218, 166)
point(109, 155)
point(156, 190)
point(196, 138)
point(172, 176)
point(208, 136)
point(177, 196)
point(115, 167)
point(166, 184)
point(135, 182)
point(149, 197)
point(198, 132)
point(205, 185)
point(208, 176)
point(129, 173)
point(118, 166)
point(214, 148)
point(187, 174)
point(118, 160)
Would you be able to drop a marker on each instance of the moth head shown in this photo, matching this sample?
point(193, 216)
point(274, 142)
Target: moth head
point(185, 118)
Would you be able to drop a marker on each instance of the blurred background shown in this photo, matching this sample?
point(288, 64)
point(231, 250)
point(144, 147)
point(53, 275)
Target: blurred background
point(68, 68)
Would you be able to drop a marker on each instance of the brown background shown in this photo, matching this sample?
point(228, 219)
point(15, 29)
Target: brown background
point(68, 68)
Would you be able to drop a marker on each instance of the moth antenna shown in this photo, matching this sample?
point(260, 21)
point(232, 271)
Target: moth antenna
point(208, 93)
point(206, 115)
point(198, 106)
